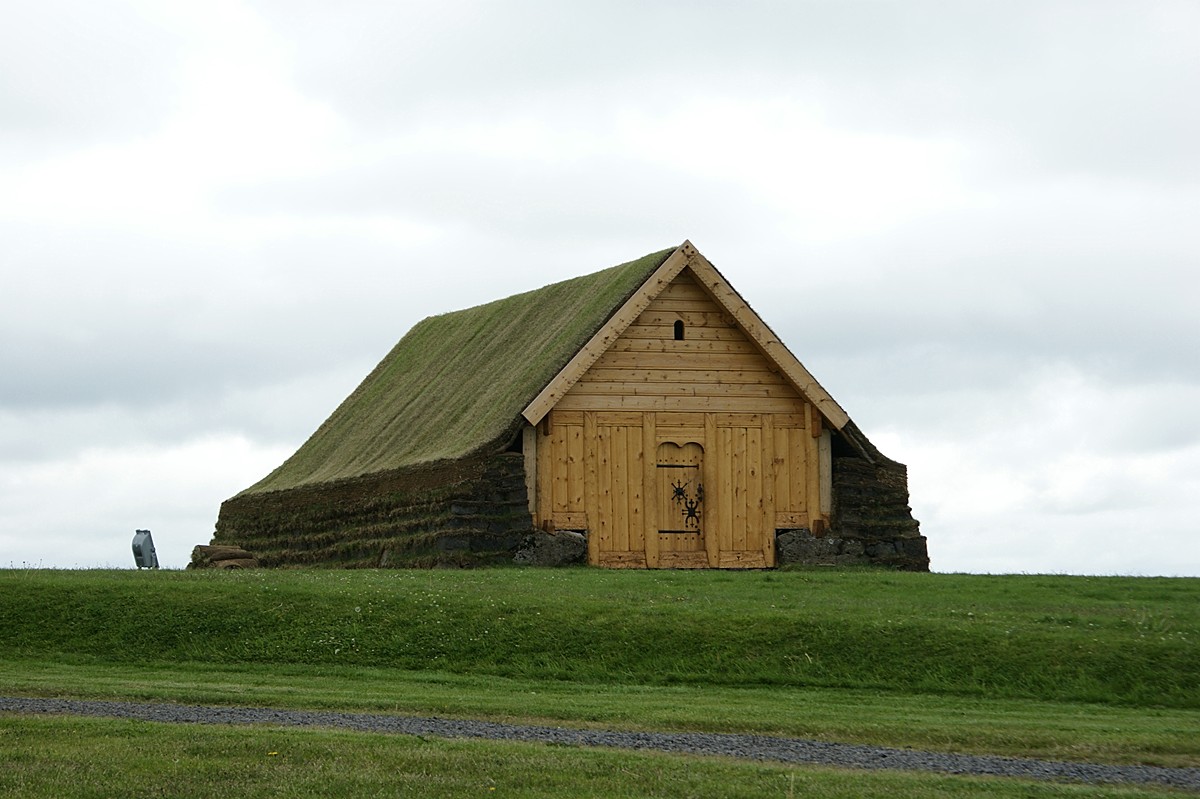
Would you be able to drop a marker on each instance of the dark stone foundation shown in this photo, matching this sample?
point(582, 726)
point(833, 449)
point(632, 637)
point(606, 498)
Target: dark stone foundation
point(801, 547)
point(561, 548)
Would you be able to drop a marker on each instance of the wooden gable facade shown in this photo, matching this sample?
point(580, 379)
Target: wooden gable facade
point(684, 435)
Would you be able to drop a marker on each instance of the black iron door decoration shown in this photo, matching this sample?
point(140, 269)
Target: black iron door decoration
point(688, 503)
point(680, 493)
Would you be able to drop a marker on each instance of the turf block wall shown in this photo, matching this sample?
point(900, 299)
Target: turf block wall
point(462, 513)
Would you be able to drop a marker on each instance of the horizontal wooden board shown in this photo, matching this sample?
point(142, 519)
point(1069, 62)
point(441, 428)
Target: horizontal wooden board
point(682, 288)
point(789, 420)
point(680, 435)
point(609, 374)
point(738, 419)
point(680, 389)
point(680, 542)
point(701, 361)
point(684, 305)
point(620, 419)
point(667, 318)
point(680, 420)
point(727, 347)
point(784, 521)
point(622, 560)
point(566, 417)
point(683, 560)
point(690, 333)
point(744, 559)
point(570, 521)
point(594, 402)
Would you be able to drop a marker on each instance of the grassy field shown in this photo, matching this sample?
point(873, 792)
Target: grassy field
point(1109, 640)
point(53, 757)
point(1100, 669)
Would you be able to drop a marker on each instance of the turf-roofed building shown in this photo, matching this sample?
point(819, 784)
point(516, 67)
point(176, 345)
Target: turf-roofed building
point(644, 414)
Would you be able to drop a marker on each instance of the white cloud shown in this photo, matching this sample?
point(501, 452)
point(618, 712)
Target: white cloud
point(233, 118)
point(974, 223)
point(74, 74)
point(819, 181)
point(1042, 477)
point(82, 511)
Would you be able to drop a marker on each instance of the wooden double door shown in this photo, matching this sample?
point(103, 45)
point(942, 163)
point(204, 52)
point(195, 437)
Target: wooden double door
point(683, 490)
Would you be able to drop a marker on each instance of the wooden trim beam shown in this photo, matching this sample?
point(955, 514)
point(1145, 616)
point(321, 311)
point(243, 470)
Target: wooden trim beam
point(762, 335)
point(529, 448)
point(606, 335)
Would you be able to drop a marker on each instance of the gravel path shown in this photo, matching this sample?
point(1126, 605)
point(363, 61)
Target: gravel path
point(751, 747)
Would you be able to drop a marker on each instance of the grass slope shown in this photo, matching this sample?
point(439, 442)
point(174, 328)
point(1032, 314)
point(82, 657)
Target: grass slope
point(1016, 727)
point(47, 758)
point(1069, 668)
point(1124, 641)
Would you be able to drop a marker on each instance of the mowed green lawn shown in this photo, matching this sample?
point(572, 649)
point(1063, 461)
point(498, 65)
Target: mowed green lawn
point(1075, 668)
point(54, 757)
point(50, 758)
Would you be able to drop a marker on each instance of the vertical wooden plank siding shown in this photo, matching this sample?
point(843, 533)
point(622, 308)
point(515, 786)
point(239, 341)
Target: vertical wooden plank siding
point(754, 490)
point(636, 537)
point(783, 462)
point(604, 469)
point(591, 483)
point(713, 501)
point(825, 472)
point(799, 456)
point(649, 487)
point(575, 468)
point(620, 489)
point(767, 519)
point(725, 487)
point(558, 444)
point(619, 521)
point(739, 466)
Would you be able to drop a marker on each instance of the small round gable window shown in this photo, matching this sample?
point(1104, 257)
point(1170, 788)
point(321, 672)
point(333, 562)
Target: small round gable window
point(679, 330)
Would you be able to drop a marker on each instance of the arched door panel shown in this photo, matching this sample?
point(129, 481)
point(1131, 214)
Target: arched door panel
point(681, 519)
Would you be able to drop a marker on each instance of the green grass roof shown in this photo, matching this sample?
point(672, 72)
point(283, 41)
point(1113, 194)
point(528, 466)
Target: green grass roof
point(457, 383)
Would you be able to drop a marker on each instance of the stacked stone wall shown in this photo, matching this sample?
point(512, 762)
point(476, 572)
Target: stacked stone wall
point(464, 513)
point(871, 522)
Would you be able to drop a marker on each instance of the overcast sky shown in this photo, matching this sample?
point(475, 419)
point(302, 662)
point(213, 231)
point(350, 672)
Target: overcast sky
point(976, 223)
